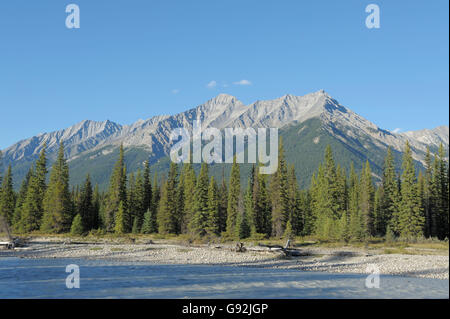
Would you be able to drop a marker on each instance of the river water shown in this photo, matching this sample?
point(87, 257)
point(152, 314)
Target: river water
point(46, 278)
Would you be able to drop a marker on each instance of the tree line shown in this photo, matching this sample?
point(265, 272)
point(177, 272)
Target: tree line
point(337, 205)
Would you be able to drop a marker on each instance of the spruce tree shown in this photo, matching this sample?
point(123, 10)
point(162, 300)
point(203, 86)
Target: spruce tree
point(117, 192)
point(77, 226)
point(295, 219)
point(147, 201)
point(428, 194)
point(32, 209)
point(96, 208)
point(199, 221)
point(234, 191)
point(411, 220)
point(354, 216)
point(390, 207)
point(122, 222)
point(167, 214)
point(57, 202)
point(7, 197)
point(213, 224)
point(223, 204)
point(366, 200)
point(85, 207)
point(189, 181)
point(17, 225)
point(279, 194)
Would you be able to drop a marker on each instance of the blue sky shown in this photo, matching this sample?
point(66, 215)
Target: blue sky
point(135, 59)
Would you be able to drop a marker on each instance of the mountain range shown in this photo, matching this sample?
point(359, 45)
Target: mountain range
point(307, 124)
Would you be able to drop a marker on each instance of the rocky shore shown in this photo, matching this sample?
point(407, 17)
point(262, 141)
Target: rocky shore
point(337, 260)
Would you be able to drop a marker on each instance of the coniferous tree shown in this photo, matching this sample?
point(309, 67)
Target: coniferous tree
point(366, 200)
point(17, 225)
point(122, 222)
point(427, 200)
point(279, 195)
point(117, 192)
point(213, 224)
point(411, 220)
point(7, 196)
point(147, 201)
point(167, 213)
point(149, 225)
point(295, 219)
point(156, 197)
point(96, 206)
point(223, 204)
point(32, 209)
point(77, 226)
point(132, 202)
point(325, 202)
point(57, 204)
point(189, 181)
point(390, 196)
point(440, 195)
point(85, 206)
point(199, 221)
point(234, 192)
point(354, 215)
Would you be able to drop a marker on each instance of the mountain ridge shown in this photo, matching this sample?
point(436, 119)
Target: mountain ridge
point(224, 110)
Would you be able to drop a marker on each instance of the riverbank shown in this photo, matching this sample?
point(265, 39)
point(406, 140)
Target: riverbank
point(425, 263)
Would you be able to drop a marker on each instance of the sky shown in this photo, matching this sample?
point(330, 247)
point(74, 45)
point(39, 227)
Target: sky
point(133, 59)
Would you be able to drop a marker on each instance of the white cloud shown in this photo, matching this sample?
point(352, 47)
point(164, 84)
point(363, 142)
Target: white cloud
point(243, 82)
point(397, 130)
point(211, 84)
point(175, 91)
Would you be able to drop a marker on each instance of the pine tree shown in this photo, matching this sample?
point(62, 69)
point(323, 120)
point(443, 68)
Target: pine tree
point(223, 204)
point(17, 225)
point(354, 217)
point(279, 195)
point(366, 200)
point(149, 225)
point(85, 206)
point(428, 194)
point(233, 198)
point(117, 192)
point(167, 213)
point(156, 197)
point(242, 225)
point(57, 202)
point(147, 204)
point(295, 219)
point(390, 207)
point(411, 220)
point(199, 221)
point(77, 226)
point(7, 197)
point(378, 222)
point(189, 181)
point(132, 202)
point(121, 224)
point(96, 208)
point(213, 224)
point(439, 195)
point(32, 209)
point(325, 202)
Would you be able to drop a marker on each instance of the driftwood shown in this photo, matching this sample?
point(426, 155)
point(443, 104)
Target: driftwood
point(286, 249)
point(240, 248)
